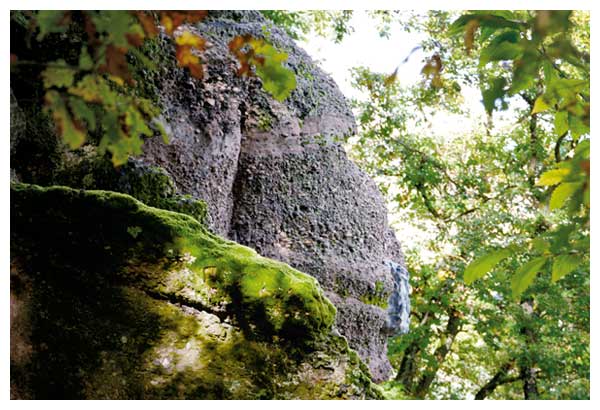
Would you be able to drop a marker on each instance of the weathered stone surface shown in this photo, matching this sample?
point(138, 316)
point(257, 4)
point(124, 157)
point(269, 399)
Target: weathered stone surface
point(111, 299)
point(273, 174)
point(276, 178)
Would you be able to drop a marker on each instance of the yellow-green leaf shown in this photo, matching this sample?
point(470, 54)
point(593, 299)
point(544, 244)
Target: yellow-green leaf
point(540, 244)
point(526, 274)
point(540, 105)
point(124, 147)
point(563, 265)
point(58, 74)
point(391, 79)
point(484, 264)
point(561, 122)
point(553, 177)
point(65, 127)
point(51, 21)
point(278, 80)
point(85, 60)
point(563, 192)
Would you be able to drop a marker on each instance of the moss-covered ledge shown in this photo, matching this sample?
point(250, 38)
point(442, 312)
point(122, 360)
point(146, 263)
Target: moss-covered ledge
point(114, 235)
point(106, 287)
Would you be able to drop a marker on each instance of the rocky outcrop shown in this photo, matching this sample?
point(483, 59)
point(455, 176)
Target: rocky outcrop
point(276, 178)
point(111, 299)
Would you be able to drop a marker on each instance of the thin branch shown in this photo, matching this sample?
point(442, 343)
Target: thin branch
point(559, 141)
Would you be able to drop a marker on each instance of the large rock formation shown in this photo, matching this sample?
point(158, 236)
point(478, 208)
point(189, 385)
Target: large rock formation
point(275, 178)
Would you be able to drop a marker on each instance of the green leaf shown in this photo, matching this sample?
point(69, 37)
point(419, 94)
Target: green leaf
point(562, 193)
point(540, 105)
point(525, 275)
point(134, 231)
point(136, 123)
point(582, 150)
point(58, 74)
point(494, 92)
point(502, 47)
point(561, 122)
point(277, 80)
point(563, 265)
point(561, 238)
point(116, 24)
point(550, 74)
point(82, 112)
point(487, 19)
point(50, 21)
point(540, 244)
point(577, 127)
point(95, 89)
point(525, 70)
point(85, 60)
point(484, 264)
point(500, 52)
point(124, 147)
point(553, 177)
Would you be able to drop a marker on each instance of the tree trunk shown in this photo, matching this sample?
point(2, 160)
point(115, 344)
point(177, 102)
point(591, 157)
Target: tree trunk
point(527, 370)
point(529, 376)
point(408, 366)
point(452, 329)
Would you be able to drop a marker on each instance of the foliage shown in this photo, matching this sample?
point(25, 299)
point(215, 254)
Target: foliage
point(253, 52)
point(325, 23)
point(478, 200)
point(94, 91)
point(538, 61)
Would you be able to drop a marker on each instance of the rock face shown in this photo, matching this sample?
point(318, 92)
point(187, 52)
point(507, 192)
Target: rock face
point(111, 299)
point(276, 178)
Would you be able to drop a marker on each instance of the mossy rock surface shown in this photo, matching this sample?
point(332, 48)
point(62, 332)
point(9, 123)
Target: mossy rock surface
point(111, 298)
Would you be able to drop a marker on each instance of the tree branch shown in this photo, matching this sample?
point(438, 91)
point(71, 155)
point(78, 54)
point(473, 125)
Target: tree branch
point(501, 377)
point(559, 141)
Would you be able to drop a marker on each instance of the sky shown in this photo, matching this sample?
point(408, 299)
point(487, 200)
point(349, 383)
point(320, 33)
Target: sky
point(364, 47)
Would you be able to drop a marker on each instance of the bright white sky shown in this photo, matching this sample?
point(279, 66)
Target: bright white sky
point(365, 47)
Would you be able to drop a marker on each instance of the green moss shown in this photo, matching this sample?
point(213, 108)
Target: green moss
point(341, 287)
point(267, 298)
point(264, 121)
point(305, 70)
point(147, 65)
point(149, 184)
point(379, 297)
